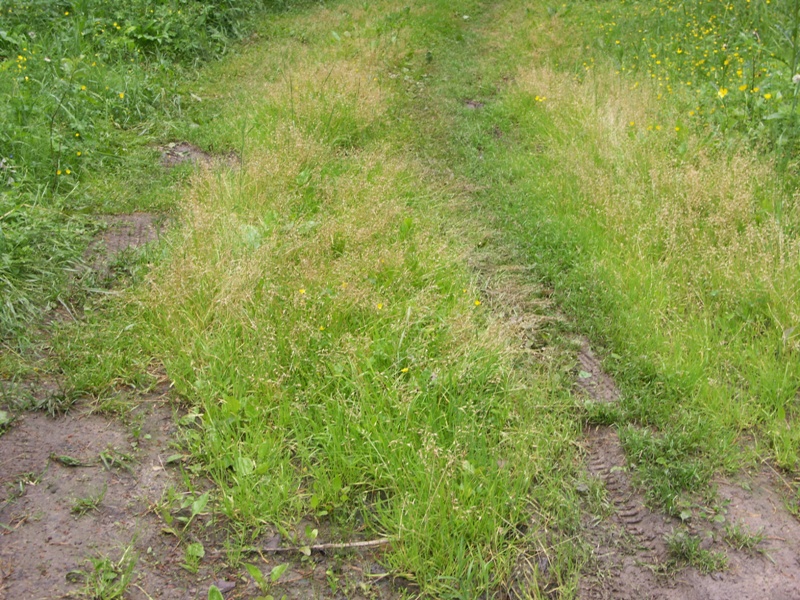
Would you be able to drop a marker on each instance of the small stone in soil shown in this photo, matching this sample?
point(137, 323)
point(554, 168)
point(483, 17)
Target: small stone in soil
point(225, 586)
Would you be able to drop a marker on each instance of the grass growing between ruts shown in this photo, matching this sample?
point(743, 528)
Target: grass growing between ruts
point(315, 312)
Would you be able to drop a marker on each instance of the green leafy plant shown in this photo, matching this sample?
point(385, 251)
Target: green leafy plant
point(215, 594)
point(193, 554)
point(6, 420)
point(175, 507)
point(265, 583)
point(81, 506)
point(112, 458)
point(108, 579)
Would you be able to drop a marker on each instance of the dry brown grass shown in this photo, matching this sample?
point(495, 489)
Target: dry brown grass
point(309, 221)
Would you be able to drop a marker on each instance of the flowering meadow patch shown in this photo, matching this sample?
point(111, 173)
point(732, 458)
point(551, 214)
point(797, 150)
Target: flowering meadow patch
point(732, 63)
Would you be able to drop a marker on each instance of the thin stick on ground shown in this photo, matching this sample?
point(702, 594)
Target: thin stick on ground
point(330, 546)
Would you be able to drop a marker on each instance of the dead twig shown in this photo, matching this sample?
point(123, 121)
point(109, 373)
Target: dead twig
point(779, 476)
point(323, 547)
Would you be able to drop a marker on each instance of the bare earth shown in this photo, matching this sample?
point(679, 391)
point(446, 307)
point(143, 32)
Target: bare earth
point(630, 550)
point(43, 541)
point(44, 546)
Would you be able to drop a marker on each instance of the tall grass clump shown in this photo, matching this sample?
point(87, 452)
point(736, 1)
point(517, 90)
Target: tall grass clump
point(74, 78)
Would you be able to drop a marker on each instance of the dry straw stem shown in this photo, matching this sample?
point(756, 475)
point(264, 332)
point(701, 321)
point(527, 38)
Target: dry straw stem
point(332, 546)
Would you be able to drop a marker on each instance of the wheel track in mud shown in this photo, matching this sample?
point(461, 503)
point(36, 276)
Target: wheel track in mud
point(630, 546)
point(606, 458)
point(605, 461)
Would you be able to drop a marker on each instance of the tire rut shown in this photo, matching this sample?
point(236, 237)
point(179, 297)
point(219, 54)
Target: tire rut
point(606, 462)
point(631, 543)
point(629, 549)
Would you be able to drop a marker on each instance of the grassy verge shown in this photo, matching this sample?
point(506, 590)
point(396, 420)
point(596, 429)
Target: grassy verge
point(675, 253)
point(87, 88)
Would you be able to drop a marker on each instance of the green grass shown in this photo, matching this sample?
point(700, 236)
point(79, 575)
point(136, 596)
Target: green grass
point(87, 89)
point(685, 549)
point(340, 361)
point(92, 502)
point(107, 578)
point(729, 66)
point(737, 536)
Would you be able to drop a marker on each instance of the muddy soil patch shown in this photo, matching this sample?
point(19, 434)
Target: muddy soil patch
point(473, 104)
point(631, 555)
point(130, 231)
point(179, 153)
point(592, 379)
point(628, 546)
point(122, 233)
point(771, 570)
point(49, 466)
